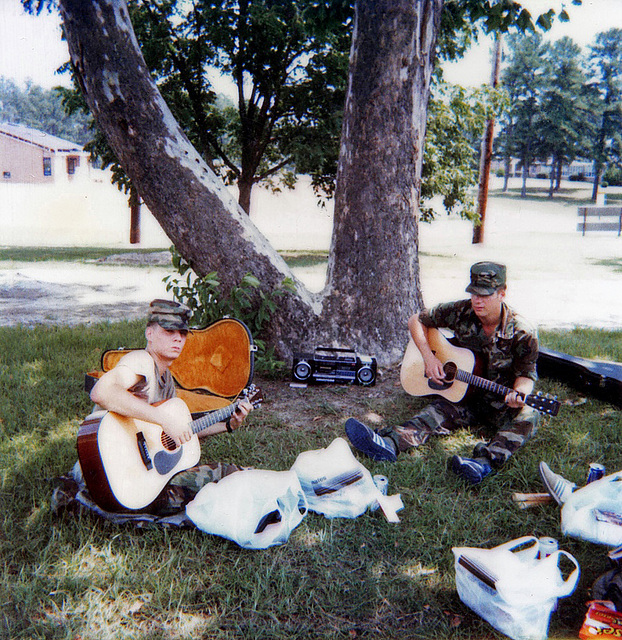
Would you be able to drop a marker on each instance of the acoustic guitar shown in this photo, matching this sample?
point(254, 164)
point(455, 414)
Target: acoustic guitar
point(458, 364)
point(126, 463)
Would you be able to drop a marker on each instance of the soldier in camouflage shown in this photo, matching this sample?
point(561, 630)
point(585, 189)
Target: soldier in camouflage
point(507, 347)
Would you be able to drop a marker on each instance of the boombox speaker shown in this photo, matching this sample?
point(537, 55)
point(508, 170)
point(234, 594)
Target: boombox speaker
point(333, 364)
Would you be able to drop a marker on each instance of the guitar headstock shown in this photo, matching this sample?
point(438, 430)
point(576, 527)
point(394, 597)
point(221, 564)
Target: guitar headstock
point(254, 395)
point(543, 404)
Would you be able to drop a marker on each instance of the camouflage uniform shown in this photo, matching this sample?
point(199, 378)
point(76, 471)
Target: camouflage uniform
point(511, 352)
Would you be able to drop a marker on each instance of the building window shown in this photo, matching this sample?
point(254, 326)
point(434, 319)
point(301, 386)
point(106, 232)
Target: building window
point(47, 166)
point(72, 163)
point(6, 175)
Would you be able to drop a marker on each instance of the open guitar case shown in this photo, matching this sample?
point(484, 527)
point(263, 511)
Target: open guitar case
point(216, 364)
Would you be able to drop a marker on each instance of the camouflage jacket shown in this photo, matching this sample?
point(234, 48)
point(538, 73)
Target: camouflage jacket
point(511, 352)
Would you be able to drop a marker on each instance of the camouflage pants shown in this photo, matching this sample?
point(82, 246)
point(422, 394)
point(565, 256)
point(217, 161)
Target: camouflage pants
point(513, 428)
point(185, 485)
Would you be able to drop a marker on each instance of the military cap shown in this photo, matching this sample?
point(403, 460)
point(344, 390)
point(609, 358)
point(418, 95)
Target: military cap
point(169, 314)
point(486, 278)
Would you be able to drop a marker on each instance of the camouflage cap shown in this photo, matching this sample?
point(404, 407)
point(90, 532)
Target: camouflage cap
point(486, 278)
point(169, 314)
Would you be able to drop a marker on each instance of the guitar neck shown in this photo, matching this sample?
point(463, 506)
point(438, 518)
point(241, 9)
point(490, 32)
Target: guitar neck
point(482, 383)
point(218, 415)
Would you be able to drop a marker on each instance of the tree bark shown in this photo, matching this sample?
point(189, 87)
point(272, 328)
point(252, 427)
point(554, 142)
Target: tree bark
point(486, 153)
point(134, 202)
point(373, 283)
point(373, 274)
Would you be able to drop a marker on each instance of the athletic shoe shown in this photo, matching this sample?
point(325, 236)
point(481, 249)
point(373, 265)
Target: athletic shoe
point(369, 442)
point(559, 488)
point(473, 471)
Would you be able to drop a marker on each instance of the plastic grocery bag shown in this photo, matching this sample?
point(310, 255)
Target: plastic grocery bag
point(255, 508)
point(594, 512)
point(511, 588)
point(337, 485)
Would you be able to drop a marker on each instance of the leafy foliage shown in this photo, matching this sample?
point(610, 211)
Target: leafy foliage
point(41, 109)
point(456, 119)
point(563, 105)
point(606, 61)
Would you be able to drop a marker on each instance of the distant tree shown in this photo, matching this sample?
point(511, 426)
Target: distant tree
point(41, 109)
point(287, 63)
point(606, 60)
point(523, 79)
point(563, 117)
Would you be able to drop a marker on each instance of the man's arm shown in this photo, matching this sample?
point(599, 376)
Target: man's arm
point(419, 332)
point(111, 393)
point(522, 387)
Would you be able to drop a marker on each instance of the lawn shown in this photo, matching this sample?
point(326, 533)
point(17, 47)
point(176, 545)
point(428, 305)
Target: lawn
point(76, 576)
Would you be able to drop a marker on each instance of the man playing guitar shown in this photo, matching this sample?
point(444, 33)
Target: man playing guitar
point(142, 379)
point(505, 344)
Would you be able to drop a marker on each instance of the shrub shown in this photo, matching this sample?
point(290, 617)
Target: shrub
point(613, 176)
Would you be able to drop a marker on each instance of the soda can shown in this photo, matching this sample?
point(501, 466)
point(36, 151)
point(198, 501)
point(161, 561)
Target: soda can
point(596, 472)
point(382, 482)
point(546, 546)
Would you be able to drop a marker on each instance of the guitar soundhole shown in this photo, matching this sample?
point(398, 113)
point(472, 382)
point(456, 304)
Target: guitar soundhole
point(167, 442)
point(450, 369)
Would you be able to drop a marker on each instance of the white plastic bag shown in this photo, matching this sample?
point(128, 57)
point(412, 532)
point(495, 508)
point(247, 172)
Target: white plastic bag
point(255, 508)
point(337, 485)
point(594, 512)
point(510, 588)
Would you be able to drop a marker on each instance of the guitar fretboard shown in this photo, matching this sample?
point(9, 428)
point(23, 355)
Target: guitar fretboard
point(218, 415)
point(482, 383)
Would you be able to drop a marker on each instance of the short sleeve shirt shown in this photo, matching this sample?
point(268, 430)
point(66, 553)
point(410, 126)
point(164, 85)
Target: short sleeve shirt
point(511, 352)
point(153, 386)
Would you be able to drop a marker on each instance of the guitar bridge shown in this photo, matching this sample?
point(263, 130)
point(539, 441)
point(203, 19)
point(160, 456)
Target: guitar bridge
point(142, 448)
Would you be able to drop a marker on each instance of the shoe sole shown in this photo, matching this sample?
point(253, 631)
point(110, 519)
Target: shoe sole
point(362, 437)
point(550, 489)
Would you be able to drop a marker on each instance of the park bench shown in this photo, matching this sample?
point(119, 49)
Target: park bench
point(607, 218)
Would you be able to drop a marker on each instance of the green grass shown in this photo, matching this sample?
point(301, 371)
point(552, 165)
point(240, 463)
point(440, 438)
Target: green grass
point(74, 576)
point(63, 254)
point(304, 258)
point(568, 196)
point(83, 254)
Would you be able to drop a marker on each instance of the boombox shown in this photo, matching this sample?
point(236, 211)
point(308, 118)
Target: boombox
point(328, 364)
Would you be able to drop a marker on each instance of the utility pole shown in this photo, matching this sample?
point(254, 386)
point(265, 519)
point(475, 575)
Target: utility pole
point(486, 152)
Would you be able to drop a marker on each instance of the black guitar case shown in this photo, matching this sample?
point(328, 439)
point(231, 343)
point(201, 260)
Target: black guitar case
point(600, 379)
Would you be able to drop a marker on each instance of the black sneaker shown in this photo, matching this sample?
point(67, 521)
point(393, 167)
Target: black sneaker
point(369, 442)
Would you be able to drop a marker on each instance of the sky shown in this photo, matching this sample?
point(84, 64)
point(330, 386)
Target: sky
point(31, 46)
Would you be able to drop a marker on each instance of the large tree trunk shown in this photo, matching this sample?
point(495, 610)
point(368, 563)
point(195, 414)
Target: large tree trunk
point(373, 281)
point(373, 276)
